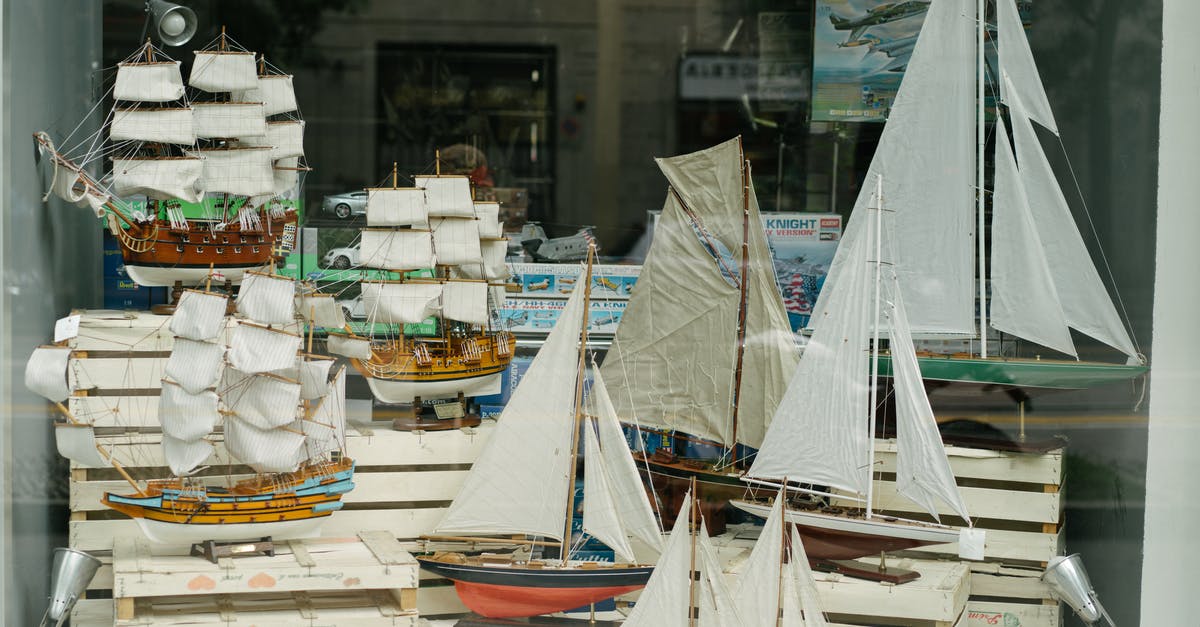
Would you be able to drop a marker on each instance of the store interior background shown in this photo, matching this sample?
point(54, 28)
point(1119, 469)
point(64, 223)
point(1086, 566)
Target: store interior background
point(571, 99)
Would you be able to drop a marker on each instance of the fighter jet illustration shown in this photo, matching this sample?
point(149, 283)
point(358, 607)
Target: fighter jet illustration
point(898, 50)
point(881, 14)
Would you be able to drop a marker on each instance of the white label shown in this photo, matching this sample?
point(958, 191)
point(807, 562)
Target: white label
point(66, 328)
point(970, 544)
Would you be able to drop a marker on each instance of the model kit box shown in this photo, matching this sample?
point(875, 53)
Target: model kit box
point(538, 315)
point(556, 280)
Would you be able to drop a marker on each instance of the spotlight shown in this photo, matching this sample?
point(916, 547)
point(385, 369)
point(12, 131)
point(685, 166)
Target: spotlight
point(72, 572)
point(1069, 581)
point(175, 24)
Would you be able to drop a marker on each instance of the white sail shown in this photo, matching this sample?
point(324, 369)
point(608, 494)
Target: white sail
point(168, 126)
point(465, 301)
point(254, 348)
point(488, 214)
point(264, 450)
point(400, 302)
point(274, 91)
point(78, 444)
point(229, 119)
point(922, 471)
point(926, 156)
point(510, 492)
point(447, 196)
point(314, 378)
point(199, 315)
point(673, 360)
point(285, 138)
point(820, 431)
point(194, 365)
point(159, 178)
point(242, 171)
point(397, 207)
point(667, 597)
point(267, 298)
point(158, 81)
point(184, 457)
point(186, 416)
point(286, 174)
point(805, 583)
point(265, 401)
point(629, 495)
point(1084, 299)
point(325, 428)
point(600, 517)
point(221, 71)
point(493, 267)
point(1024, 301)
point(759, 582)
point(347, 346)
point(46, 372)
point(456, 241)
point(396, 250)
point(322, 310)
point(1016, 61)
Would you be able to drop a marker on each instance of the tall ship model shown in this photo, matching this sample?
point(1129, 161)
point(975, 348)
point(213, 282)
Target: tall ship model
point(704, 347)
point(434, 225)
point(1042, 281)
point(233, 145)
point(523, 483)
point(281, 410)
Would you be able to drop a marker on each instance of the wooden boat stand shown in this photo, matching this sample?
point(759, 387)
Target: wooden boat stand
point(213, 551)
point(867, 571)
point(442, 417)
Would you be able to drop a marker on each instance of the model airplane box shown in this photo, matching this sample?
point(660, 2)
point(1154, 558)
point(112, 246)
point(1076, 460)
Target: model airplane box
point(536, 316)
point(556, 280)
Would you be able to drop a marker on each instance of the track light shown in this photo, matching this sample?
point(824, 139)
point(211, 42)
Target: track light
point(1069, 581)
point(72, 572)
point(175, 24)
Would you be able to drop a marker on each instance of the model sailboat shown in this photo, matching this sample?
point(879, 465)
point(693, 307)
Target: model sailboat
point(704, 347)
point(822, 433)
point(283, 415)
point(1043, 282)
point(433, 225)
point(523, 483)
point(687, 588)
point(241, 143)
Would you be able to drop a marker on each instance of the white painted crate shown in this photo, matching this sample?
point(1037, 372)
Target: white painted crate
point(368, 576)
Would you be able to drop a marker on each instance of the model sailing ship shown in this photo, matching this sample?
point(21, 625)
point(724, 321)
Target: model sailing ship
point(1042, 280)
point(523, 483)
point(283, 415)
point(714, 367)
point(822, 432)
point(240, 143)
point(435, 224)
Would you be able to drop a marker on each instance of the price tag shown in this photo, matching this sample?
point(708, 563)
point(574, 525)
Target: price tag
point(970, 544)
point(66, 328)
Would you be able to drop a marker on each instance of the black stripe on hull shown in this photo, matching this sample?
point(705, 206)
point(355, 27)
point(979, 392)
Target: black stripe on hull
point(540, 577)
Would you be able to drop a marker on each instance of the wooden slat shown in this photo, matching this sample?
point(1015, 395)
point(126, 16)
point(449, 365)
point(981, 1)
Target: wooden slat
point(1035, 507)
point(974, 463)
point(116, 374)
point(1006, 546)
point(990, 613)
point(365, 608)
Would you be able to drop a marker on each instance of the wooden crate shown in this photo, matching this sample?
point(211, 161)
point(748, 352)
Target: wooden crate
point(368, 578)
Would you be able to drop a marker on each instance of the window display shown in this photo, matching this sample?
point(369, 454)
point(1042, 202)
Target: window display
point(863, 323)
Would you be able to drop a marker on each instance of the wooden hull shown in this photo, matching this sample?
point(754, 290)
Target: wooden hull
point(840, 537)
point(396, 375)
point(171, 254)
point(1030, 375)
point(513, 591)
point(290, 505)
point(670, 481)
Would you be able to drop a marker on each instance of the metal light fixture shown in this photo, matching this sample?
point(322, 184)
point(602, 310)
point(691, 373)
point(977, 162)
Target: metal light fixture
point(72, 572)
point(1069, 581)
point(175, 24)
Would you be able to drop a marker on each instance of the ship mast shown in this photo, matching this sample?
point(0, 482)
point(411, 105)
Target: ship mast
point(744, 286)
point(583, 333)
point(981, 139)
